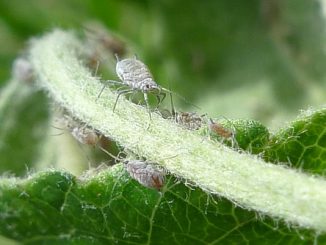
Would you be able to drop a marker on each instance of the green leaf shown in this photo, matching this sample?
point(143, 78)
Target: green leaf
point(54, 207)
point(302, 143)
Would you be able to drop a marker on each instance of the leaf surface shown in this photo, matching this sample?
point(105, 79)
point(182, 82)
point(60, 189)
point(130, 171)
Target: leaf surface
point(55, 207)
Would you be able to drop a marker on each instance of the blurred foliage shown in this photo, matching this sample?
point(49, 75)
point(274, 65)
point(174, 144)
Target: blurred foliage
point(205, 52)
point(258, 59)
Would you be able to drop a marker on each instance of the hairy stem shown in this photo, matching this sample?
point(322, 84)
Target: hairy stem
point(244, 179)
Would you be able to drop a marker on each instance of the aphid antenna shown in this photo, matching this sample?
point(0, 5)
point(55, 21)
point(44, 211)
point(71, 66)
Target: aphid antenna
point(211, 120)
point(88, 29)
point(69, 129)
point(126, 152)
point(117, 57)
point(181, 97)
point(56, 127)
point(117, 159)
point(148, 108)
point(96, 29)
point(104, 86)
point(97, 67)
point(172, 106)
point(58, 134)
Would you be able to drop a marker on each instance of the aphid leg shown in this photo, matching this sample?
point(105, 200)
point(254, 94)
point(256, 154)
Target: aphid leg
point(147, 104)
point(132, 97)
point(181, 97)
point(104, 86)
point(58, 134)
point(99, 95)
point(172, 107)
point(119, 94)
point(159, 99)
point(97, 66)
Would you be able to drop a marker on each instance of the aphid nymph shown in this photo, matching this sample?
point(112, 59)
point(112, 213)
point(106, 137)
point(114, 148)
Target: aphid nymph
point(220, 130)
point(82, 133)
point(136, 76)
point(188, 120)
point(86, 135)
point(223, 133)
point(22, 70)
point(143, 172)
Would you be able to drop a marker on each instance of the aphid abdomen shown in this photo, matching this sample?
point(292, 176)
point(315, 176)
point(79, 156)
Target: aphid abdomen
point(134, 73)
point(220, 130)
point(146, 174)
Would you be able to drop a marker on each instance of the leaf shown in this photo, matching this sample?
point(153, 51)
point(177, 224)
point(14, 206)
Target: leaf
point(302, 143)
point(55, 207)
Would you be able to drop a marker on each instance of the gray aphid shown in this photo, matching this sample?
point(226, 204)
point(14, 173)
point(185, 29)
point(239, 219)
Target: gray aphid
point(143, 172)
point(146, 174)
point(135, 75)
point(86, 135)
point(82, 133)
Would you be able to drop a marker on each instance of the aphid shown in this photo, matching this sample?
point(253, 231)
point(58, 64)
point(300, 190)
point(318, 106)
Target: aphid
point(89, 140)
point(222, 132)
point(136, 76)
point(82, 133)
point(218, 129)
point(143, 172)
point(86, 135)
point(146, 174)
point(189, 120)
point(22, 70)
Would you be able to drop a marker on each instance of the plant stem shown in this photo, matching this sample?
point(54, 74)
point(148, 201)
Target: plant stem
point(242, 178)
